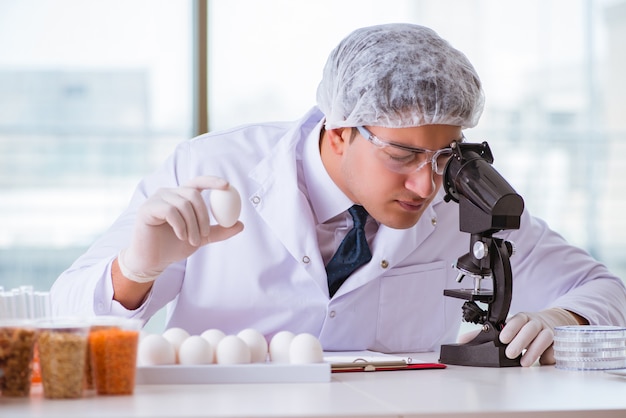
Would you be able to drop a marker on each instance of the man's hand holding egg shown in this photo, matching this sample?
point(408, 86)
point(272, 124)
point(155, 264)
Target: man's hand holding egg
point(174, 222)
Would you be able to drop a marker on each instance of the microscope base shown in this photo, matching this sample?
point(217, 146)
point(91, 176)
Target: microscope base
point(485, 354)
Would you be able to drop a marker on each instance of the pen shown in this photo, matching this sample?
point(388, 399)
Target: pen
point(372, 366)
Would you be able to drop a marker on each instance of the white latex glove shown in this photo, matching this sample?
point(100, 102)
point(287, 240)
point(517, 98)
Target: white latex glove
point(534, 332)
point(171, 225)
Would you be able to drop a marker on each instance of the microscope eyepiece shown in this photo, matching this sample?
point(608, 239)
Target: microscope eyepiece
point(487, 201)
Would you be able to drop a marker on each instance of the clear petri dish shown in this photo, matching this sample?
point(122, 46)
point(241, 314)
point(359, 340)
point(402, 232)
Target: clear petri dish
point(591, 364)
point(587, 347)
point(590, 354)
point(587, 333)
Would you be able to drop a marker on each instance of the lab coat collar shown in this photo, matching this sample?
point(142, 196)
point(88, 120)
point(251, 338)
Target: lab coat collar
point(326, 198)
point(277, 176)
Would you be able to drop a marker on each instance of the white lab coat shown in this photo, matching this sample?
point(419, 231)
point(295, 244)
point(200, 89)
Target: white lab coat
point(271, 277)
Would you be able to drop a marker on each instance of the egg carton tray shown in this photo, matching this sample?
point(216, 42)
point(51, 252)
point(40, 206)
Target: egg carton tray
point(235, 373)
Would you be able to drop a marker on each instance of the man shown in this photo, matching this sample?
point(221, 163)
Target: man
point(392, 100)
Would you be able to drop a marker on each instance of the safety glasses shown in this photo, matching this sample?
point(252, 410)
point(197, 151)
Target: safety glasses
point(404, 159)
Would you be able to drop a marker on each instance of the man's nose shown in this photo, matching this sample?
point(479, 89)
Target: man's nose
point(422, 182)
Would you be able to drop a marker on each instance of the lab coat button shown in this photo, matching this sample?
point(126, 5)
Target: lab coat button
point(306, 259)
point(433, 221)
point(256, 200)
point(332, 314)
point(384, 264)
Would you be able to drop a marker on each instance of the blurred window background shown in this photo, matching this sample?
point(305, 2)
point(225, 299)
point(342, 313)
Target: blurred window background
point(95, 94)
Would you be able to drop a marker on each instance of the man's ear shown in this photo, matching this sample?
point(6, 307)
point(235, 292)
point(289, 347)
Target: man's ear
point(338, 139)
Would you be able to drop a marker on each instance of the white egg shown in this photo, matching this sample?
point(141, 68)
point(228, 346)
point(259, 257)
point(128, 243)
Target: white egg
point(279, 346)
point(232, 350)
point(257, 343)
point(304, 349)
point(213, 336)
point(225, 206)
point(155, 350)
point(176, 336)
point(195, 350)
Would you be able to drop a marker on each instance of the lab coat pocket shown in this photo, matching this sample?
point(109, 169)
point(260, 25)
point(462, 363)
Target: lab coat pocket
point(411, 308)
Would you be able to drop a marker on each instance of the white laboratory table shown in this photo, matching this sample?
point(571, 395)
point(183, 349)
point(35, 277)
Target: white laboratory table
point(457, 391)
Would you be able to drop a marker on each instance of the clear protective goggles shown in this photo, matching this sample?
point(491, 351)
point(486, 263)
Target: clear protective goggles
point(404, 159)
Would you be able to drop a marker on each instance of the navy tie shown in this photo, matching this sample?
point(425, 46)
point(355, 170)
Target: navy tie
point(352, 253)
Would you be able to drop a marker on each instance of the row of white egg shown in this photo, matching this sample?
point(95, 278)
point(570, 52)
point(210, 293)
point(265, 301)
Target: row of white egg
point(177, 346)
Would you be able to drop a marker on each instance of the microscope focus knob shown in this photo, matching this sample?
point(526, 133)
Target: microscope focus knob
point(480, 250)
point(510, 246)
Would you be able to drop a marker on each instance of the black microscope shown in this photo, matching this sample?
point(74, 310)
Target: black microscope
point(487, 204)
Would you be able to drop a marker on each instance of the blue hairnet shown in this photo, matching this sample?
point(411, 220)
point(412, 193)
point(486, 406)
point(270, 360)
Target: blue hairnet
point(399, 75)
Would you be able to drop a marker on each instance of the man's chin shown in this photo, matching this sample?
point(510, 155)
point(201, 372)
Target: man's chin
point(401, 222)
